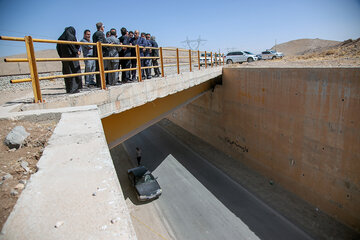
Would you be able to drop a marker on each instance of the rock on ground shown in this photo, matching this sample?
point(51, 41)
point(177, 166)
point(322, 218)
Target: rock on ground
point(16, 138)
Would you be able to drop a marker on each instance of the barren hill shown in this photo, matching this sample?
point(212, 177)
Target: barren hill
point(349, 49)
point(301, 46)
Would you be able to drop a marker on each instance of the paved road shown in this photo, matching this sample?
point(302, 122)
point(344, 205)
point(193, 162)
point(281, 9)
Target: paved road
point(201, 202)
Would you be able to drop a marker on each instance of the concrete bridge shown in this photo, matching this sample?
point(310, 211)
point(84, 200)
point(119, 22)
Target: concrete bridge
point(297, 126)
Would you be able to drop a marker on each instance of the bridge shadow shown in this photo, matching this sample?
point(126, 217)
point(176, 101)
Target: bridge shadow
point(156, 144)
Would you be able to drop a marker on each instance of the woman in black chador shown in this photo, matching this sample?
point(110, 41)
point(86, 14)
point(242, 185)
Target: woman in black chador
point(72, 84)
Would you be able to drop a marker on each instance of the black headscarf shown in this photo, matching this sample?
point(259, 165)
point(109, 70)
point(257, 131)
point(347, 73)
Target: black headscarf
point(68, 50)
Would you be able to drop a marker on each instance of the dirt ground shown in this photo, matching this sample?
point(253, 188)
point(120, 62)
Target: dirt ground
point(11, 160)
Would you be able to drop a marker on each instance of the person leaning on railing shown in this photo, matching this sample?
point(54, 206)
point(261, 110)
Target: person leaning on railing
point(137, 40)
point(155, 53)
point(147, 52)
point(125, 52)
point(113, 52)
point(88, 52)
point(98, 36)
point(72, 84)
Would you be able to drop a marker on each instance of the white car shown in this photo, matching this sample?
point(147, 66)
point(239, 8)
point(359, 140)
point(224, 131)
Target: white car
point(208, 59)
point(271, 54)
point(240, 57)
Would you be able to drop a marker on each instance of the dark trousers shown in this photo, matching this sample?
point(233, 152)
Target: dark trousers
point(133, 72)
point(97, 76)
point(125, 76)
point(98, 79)
point(138, 160)
point(146, 63)
point(155, 63)
point(72, 84)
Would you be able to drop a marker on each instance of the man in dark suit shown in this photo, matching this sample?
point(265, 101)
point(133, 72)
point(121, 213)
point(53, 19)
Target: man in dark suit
point(113, 52)
point(125, 52)
point(155, 53)
point(99, 36)
point(137, 40)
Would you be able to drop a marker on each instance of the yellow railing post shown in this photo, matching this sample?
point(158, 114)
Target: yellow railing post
point(101, 65)
point(190, 60)
point(138, 61)
point(177, 60)
point(199, 59)
point(33, 69)
point(205, 60)
point(219, 57)
point(211, 59)
point(162, 62)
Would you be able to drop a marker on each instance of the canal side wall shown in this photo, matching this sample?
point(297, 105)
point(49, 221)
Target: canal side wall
point(300, 127)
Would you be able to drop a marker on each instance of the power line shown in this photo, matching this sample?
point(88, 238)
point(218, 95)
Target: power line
point(192, 43)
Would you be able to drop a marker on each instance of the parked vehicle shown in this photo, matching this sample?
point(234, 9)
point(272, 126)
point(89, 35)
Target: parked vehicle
point(218, 58)
point(144, 182)
point(240, 57)
point(271, 54)
point(202, 59)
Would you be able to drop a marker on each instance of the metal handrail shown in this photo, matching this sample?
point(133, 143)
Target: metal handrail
point(100, 58)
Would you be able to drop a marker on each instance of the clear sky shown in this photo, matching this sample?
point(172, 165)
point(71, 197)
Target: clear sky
point(225, 24)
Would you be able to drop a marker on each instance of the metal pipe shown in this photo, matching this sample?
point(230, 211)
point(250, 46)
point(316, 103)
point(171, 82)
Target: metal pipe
point(162, 62)
point(138, 62)
point(119, 70)
point(149, 57)
point(177, 60)
point(175, 57)
point(62, 42)
point(205, 60)
point(169, 49)
point(101, 65)
point(198, 52)
point(190, 60)
point(12, 38)
point(53, 77)
point(33, 69)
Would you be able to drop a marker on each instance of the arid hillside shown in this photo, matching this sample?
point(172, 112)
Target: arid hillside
point(301, 46)
point(349, 49)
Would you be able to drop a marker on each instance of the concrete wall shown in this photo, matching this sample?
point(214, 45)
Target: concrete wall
point(297, 126)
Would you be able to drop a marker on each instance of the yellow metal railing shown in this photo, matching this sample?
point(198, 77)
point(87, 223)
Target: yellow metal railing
point(35, 79)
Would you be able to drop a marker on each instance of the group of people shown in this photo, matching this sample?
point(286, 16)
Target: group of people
point(74, 84)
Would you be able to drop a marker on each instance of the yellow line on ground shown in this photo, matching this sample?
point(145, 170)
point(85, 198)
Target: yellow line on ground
point(137, 219)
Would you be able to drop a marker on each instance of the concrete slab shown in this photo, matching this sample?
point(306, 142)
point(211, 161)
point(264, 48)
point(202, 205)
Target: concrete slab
point(75, 194)
point(120, 98)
